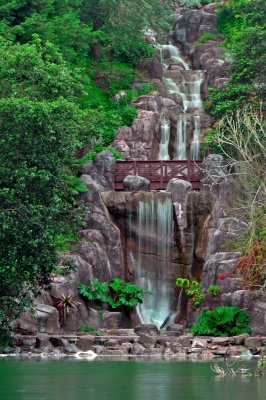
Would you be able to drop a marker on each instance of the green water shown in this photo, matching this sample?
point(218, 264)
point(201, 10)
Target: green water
point(118, 380)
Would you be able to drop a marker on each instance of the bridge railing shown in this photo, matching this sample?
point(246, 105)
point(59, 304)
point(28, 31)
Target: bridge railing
point(159, 173)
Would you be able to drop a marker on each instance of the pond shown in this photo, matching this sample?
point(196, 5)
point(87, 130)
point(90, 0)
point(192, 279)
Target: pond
point(122, 380)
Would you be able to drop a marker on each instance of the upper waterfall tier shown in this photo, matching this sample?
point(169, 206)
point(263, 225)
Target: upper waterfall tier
point(183, 86)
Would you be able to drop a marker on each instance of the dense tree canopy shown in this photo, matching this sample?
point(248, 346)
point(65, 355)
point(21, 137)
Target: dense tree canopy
point(39, 127)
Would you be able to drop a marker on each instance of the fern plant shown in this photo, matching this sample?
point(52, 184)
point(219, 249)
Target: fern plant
point(97, 291)
point(222, 321)
point(125, 293)
point(116, 293)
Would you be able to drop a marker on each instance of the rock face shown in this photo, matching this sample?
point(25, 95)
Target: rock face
point(191, 24)
point(141, 141)
point(208, 56)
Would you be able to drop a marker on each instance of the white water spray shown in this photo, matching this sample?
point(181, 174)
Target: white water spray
point(165, 137)
point(151, 257)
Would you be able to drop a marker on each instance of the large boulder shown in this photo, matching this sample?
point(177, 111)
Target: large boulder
point(147, 329)
point(179, 189)
point(136, 184)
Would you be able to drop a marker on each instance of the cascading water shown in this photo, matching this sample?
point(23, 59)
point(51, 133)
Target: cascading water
point(181, 137)
point(185, 83)
point(174, 54)
point(195, 145)
point(165, 133)
point(150, 238)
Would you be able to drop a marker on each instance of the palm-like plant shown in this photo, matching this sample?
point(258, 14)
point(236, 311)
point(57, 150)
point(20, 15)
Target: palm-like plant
point(65, 304)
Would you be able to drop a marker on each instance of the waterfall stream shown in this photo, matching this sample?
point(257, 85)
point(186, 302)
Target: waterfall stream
point(185, 83)
point(165, 131)
point(150, 241)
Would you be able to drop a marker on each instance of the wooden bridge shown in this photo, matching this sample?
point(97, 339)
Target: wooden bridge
point(159, 173)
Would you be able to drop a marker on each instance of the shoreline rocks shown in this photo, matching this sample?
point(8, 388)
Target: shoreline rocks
point(125, 342)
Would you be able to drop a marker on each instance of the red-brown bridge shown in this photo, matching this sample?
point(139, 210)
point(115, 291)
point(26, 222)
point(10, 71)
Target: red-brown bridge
point(159, 173)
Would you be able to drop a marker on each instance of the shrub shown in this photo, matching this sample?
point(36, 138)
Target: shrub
point(193, 290)
point(116, 293)
point(252, 266)
point(222, 321)
point(89, 329)
point(214, 290)
point(207, 36)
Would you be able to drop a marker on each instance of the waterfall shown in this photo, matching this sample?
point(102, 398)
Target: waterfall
point(150, 236)
point(165, 133)
point(195, 145)
point(181, 138)
point(174, 54)
point(185, 83)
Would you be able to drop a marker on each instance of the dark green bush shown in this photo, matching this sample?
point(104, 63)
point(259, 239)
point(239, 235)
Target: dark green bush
point(222, 321)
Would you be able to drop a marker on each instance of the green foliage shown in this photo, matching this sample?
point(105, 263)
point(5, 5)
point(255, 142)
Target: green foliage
point(125, 293)
point(194, 3)
point(39, 124)
point(209, 143)
point(116, 293)
point(205, 37)
point(193, 290)
point(96, 291)
point(242, 24)
point(89, 329)
point(222, 321)
point(214, 290)
point(76, 185)
point(120, 25)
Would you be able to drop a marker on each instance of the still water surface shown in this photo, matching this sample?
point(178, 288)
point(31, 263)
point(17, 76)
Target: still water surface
point(118, 380)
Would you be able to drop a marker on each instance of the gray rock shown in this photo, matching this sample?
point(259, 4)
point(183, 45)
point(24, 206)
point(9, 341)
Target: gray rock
point(213, 166)
point(136, 184)
point(147, 329)
point(106, 319)
point(179, 189)
point(102, 169)
point(175, 328)
point(147, 341)
point(85, 343)
point(221, 341)
point(137, 349)
point(240, 338)
point(218, 264)
point(184, 340)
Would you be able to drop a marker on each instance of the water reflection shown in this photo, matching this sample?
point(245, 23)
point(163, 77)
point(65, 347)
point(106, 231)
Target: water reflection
point(133, 380)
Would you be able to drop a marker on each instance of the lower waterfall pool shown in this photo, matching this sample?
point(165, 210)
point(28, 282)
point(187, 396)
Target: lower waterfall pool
point(136, 379)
